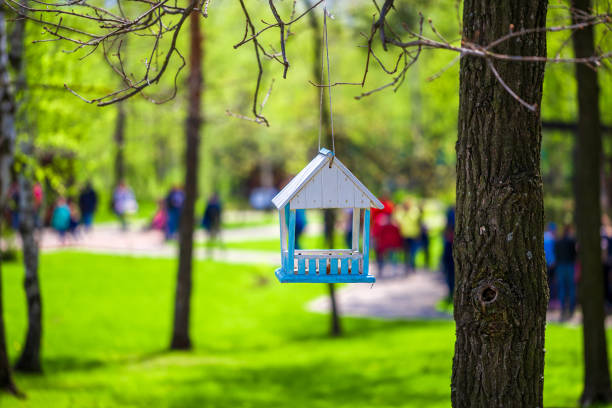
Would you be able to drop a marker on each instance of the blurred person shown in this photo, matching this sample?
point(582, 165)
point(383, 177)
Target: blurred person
point(88, 203)
point(387, 238)
point(211, 221)
point(380, 218)
point(388, 208)
point(551, 262)
point(300, 226)
point(408, 218)
point(60, 218)
point(565, 256)
point(424, 237)
point(75, 219)
point(174, 206)
point(160, 218)
point(347, 216)
point(37, 195)
point(124, 203)
point(448, 264)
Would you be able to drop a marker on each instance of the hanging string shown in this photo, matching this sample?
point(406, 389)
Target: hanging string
point(321, 90)
point(331, 116)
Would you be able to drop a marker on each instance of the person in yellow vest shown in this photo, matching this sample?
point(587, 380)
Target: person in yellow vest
point(407, 217)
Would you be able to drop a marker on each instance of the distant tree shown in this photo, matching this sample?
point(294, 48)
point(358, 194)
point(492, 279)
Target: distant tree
point(29, 359)
point(329, 216)
point(587, 172)
point(7, 141)
point(119, 139)
point(180, 335)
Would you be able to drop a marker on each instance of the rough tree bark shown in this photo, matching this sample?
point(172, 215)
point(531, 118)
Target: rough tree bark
point(328, 218)
point(7, 142)
point(587, 185)
point(501, 293)
point(119, 137)
point(29, 360)
point(30, 356)
point(180, 337)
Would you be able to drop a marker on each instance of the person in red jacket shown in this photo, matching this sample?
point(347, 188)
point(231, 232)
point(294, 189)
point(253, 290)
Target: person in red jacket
point(385, 234)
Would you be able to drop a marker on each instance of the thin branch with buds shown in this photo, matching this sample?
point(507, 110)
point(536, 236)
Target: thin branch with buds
point(417, 42)
point(153, 20)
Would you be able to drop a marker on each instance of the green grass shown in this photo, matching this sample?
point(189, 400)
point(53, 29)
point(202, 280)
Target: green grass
point(236, 221)
point(107, 325)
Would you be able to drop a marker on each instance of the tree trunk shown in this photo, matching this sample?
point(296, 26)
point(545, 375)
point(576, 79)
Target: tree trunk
point(7, 142)
point(335, 327)
point(180, 338)
point(501, 292)
point(119, 138)
point(6, 380)
point(329, 219)
point(588, 212)
point(30, 356)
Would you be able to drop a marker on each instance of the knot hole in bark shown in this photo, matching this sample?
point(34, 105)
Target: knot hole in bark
point(488, 294)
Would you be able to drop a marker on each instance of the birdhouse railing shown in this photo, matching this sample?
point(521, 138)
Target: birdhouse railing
point(326, 262)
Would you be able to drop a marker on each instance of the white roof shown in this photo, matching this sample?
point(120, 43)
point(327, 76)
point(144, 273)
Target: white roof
point(320, 186)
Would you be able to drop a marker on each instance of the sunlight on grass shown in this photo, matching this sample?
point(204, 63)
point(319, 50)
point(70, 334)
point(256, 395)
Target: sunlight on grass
point(107, 328)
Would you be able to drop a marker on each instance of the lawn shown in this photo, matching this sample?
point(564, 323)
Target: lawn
point(107, 325)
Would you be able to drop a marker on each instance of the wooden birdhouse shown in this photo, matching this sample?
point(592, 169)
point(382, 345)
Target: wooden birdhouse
point(325, 183)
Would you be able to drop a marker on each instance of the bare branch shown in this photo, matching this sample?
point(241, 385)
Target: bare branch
point(510, 91)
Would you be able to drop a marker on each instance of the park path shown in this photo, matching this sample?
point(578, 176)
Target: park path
point(407, 297)
point(136, 241)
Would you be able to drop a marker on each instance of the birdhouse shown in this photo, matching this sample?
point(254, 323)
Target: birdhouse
point(325, 183)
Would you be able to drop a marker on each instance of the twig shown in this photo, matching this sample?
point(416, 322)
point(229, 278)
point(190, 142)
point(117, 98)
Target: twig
point(532, 108)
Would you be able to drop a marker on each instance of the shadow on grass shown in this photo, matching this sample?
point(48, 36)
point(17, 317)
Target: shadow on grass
point(359, 328)
point(62, 364)
point(313, 385)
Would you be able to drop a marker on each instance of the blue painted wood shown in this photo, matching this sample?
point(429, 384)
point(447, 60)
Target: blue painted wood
point(280, 223)
point(301, 266)
point(312, 267)
point(333, 266)
point(293, 278)
point(291, 247)
point(323, 266)
point(355, 266)
point(283, 261)
point(287, 211)
point(344, 266)
point(366, 242)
